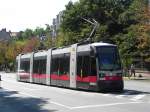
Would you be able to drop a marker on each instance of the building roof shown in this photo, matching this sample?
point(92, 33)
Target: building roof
point(4, 35)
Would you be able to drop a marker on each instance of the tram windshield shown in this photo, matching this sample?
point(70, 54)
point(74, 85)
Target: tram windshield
point(108, 58)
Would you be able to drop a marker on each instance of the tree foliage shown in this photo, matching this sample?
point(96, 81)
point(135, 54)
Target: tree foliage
point(110, 14)
point(31, 45)
point(124, 22)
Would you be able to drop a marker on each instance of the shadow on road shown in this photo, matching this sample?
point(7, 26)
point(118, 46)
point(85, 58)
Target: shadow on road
point(130, 92)
point(11, 102)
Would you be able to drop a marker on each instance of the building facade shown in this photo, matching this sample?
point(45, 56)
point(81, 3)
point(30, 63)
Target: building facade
point(56, 24)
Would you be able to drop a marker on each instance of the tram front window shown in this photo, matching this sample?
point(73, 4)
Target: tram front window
point(108, 58)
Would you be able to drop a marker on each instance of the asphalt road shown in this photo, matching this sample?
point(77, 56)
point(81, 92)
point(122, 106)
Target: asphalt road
point(26, 97)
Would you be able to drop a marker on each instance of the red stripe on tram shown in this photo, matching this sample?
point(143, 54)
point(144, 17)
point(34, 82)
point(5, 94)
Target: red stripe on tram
point(64, 77)
point(87, 79)
point(113, 78)
point(61, 77)
point(24, 75)
point(54, 76)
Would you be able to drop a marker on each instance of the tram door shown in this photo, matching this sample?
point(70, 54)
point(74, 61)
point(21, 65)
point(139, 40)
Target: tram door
point(86, 71)
point(24, 72)
point(39, 70)
point(83, 70)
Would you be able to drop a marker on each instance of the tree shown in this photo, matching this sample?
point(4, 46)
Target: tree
point(39, 32)
point(31, 45)
point(106, 12)
point(28, 33)
point(135, 39)
point(3, 47)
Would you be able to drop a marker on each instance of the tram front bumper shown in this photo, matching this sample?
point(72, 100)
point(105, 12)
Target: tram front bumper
point(109, 85)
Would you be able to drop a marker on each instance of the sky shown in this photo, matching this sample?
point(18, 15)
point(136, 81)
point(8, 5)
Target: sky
point(17, 15)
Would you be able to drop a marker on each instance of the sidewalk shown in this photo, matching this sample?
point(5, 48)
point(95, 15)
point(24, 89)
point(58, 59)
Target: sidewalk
point(140, 75)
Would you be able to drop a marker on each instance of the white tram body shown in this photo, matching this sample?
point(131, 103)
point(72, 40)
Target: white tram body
point(94, 66)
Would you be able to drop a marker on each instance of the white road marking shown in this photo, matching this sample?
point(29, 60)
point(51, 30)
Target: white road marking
point(35, 96)
point(106, 95)
point(59, 104)
point(21, 85)
point(138, 97)
point(120, 96)
point(86, 106)
point(123, 95)
point(103, 105)
point(79, 107)
point(52, 102)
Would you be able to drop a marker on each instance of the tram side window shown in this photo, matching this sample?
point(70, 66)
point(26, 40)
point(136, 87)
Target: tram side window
point(39, 66)
point(86, 66)
point(54, 65)
point(64, 65)
point(93, 66)
point(42, 66)
point(61, 66)
point(25, 66)
point(36, 66)
point(79, 65)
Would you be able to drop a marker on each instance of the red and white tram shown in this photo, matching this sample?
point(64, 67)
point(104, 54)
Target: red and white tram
point(94, 66)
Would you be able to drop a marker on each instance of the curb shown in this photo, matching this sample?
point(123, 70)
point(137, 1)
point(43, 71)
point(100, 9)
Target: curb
point(136, 78)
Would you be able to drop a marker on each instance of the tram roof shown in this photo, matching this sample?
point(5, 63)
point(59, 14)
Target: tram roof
point(28, 55)
point(40, 53)
point(102, 44)
point(61, 51)
point(80, 48)
point(86, 47)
